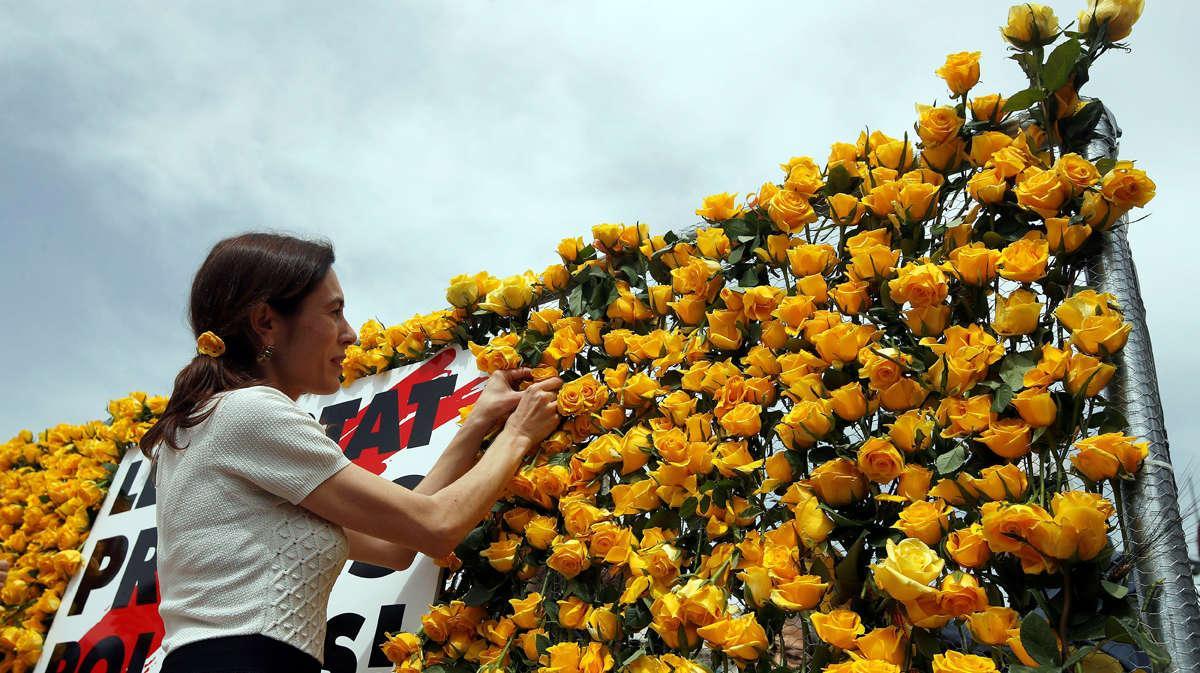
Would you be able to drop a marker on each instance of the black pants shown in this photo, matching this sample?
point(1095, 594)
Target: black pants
point(239, 654)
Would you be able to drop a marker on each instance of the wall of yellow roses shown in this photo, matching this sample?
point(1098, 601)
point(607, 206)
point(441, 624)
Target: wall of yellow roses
point(862, 407)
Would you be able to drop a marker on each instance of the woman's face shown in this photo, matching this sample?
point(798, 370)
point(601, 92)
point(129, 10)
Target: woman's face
point(308, 357)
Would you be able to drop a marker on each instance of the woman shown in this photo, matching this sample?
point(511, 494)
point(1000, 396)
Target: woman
point(258, 509)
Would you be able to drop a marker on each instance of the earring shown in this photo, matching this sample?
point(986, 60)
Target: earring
point(266, 354)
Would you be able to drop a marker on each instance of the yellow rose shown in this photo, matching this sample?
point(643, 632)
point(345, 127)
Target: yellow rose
point(1063, 237)
point(1125, 186)
point(1007, 526)
point(527, 612)
point(1101, 334)
point(569, 249)
point(1088, 374)
point(724, 329)
point(808, 259)
point(804, 424)
point(1001, 482)
point(961, 71)
point(1024, 260)
point(851, 297)
point(1043, 192)
point(1017, 314)
point(1107, 455)
point(957, 662)
point(1076, 172)
point(968, 547)
point(919, 284)
point(937, 125)
point(927, 521)
point(914, 482)
point(846, 210)
point(741, 638)
point(582, 396)
point(879, 460)
point(1083, 304)
point(712, 242)
point(803, 177)
point(1007, 437)
point(743, 420)
point(803, 592)
point(1116, 17)
point(1036, 407)
point(838, 627)
point(884, 644)
point(463, 291)
point(960, 594)
point(1007, 162)
point(607, 236)
point(790, 211)
point(1098, 213)
point(907, 569)
point(811, 522)
point(990, 626)
point(1077, 529)
point(1030, 25)
point(758, 303)
point(840, 344)
point(945, 157)
point(502, 553)
point(568, 557)
point(513, 294)
point(602, 623)
point(975, 264)
point(849, 402)
point(719, 207)
point(838, 482)
point(989, 107)
point(983, 146)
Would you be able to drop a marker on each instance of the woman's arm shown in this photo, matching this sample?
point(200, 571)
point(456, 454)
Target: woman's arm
point(454, 462)
point(495, 403)
point(435, 523)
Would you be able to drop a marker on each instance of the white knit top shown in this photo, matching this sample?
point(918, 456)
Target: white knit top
point(236, 555)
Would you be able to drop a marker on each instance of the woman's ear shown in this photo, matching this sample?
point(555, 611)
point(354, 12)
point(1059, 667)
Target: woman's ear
point(265, 323)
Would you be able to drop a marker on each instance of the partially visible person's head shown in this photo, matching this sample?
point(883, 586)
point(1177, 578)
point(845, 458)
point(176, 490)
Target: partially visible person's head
point(276, 305)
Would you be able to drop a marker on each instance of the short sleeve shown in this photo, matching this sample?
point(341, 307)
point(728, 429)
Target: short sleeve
point(276, 444)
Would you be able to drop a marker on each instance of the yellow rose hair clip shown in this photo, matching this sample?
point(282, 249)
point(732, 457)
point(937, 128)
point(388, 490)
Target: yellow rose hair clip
point(210, 344)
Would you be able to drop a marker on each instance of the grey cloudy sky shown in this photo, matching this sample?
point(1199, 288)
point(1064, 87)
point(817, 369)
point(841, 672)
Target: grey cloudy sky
point(432, 139)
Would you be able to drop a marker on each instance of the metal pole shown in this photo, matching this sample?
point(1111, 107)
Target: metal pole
point(1160, 552)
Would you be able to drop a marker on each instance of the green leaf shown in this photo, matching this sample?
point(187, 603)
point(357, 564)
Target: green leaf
point(630, 659)
point(951, 460)
point(737, 253)
point(1038, 639)
point(1014, 366)
point(1023, 99)
point(1058, 67)
point(838, 181)
point(849, 577)
point(1105, 165)
point(1117, 591)
point(1003, 396)
point(575, 300)
point(1158, 655)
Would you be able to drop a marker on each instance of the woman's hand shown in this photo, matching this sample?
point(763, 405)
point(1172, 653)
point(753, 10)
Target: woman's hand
point(536, 414)
point(499, 396)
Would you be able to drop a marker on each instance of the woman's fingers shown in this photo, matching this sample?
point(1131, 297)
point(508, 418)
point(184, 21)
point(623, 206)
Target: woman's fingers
point(514, 376)
point(549, 385)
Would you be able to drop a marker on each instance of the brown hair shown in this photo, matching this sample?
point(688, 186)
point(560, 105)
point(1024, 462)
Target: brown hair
point(238, 274)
